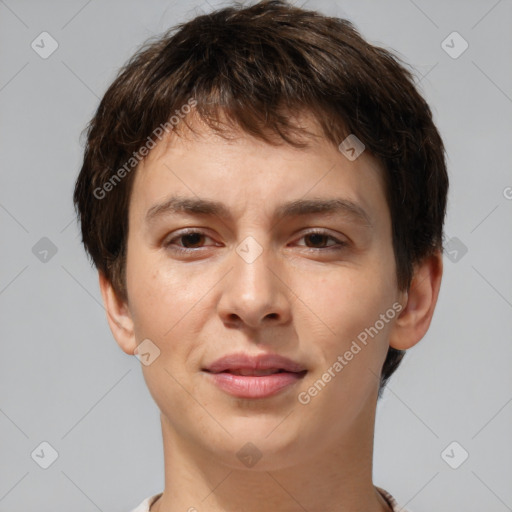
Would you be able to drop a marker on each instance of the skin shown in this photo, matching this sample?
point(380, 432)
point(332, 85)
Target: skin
point(300, 298)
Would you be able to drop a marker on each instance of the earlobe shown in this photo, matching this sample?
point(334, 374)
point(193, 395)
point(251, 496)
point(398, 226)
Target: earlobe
point(421, 298)
point(118, 316)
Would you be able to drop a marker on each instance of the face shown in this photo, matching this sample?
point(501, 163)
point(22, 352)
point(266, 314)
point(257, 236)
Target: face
point(263, 268)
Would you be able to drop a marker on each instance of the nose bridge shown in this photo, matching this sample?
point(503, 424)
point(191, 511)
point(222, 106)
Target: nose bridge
point(254, 294)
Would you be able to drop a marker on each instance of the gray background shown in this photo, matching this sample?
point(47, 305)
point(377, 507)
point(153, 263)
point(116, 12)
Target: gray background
point(64, 380)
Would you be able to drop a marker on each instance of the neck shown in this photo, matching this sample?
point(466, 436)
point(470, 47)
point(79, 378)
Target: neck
point(337, 477)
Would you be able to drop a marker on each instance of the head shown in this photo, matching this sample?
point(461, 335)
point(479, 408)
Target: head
point(248, 107)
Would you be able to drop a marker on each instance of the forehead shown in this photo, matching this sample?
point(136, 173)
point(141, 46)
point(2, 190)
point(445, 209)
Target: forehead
point(239, 169)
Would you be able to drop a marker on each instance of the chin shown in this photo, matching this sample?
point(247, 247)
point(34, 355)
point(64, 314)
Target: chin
point(260, 446)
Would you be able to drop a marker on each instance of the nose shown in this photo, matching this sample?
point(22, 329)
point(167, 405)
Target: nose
point(254, 295)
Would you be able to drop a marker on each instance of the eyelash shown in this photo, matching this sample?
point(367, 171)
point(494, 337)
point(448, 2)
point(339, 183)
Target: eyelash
point(169, 244)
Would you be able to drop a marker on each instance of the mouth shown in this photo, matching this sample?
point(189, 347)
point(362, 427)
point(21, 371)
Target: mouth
point(251, 384)
point(263, 364)
point(254, 377)
point(248, 372)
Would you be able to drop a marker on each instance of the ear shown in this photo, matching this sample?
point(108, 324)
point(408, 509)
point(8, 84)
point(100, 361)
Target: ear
point(420, 301)
point(118, 316)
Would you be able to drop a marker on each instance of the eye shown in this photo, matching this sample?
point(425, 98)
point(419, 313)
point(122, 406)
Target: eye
point(319, 240)
point(188, 241)
point(193, 240)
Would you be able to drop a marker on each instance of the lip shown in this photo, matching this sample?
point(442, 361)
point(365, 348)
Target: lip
point(259, 362)
point(254, 386)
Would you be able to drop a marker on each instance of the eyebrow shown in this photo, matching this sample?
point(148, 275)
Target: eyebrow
point(298, 207)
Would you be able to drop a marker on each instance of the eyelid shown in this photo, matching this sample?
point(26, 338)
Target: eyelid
point(323, 232)
point(186, 231)
point(168, 243)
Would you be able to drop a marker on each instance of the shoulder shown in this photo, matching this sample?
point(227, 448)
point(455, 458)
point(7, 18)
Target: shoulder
point(391, 500)
point(146, 504)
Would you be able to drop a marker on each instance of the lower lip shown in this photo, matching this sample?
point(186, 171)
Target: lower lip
point(245, 386)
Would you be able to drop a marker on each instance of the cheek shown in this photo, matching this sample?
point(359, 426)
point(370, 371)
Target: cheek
point(153, 294)
point(170, 306)
point(346, 302)
point(144, 293)
point(347, 337)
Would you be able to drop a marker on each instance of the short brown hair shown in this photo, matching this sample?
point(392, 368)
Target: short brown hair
point(257, 65)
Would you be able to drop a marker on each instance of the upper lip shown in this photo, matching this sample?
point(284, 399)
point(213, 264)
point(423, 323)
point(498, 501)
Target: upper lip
point(259, 362)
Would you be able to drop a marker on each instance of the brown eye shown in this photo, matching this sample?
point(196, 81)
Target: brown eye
point(317, 239)
point(191, 239)
point(188, 241)
point(321, 239)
